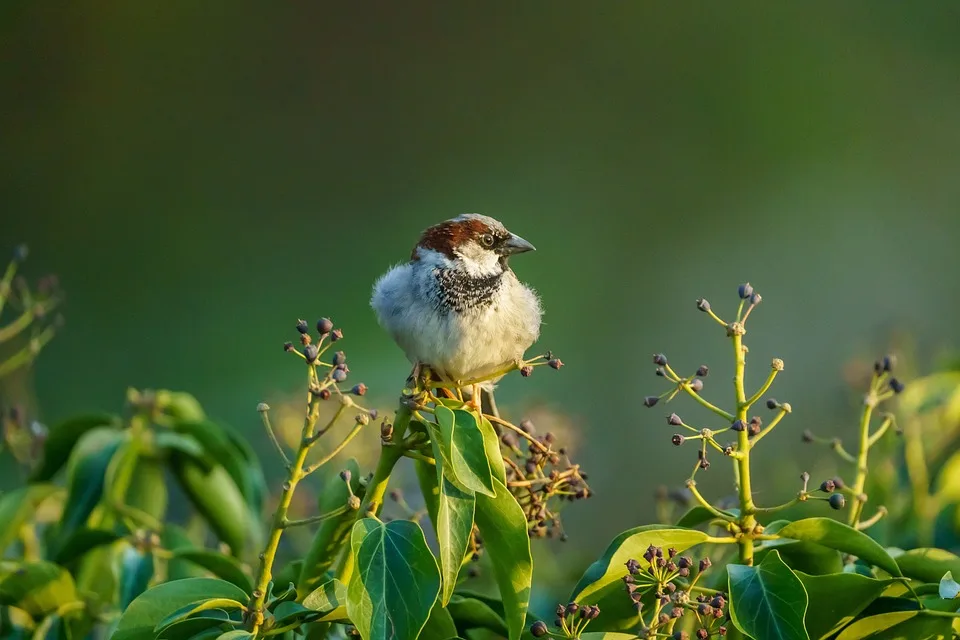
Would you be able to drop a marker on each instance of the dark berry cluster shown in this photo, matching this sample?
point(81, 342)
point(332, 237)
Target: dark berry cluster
point(665, 584)
point(540, 476)
point(571, 620)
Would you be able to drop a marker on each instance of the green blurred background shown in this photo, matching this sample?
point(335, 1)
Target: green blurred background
point(200, 175)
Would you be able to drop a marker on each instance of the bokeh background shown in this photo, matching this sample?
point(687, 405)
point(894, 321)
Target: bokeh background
point(200, 175)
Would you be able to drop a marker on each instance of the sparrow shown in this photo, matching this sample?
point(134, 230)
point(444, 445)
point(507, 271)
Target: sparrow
point(457, 307)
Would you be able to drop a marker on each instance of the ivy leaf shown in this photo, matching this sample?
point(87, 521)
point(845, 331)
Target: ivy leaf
point(464, 451)
point(396, 581)
point(836, 535)
point(82, 542)
point(454, 527)
point(218, 499)
point(949, 588)
point(602, 584)
point(39, 588)
point(808, 557)
point(928, 565)
point(86, 473)
point(17, 507)
point(218, 564)
point(699, 515)
point(767, 601)
point(135, 571)
point(898, 625)
point(836, 599)
point(504, 528)
point(472, 613)
point(63, 437)
point(330, 600)
point(491, 444)
point(439, 626)
point(139, 619)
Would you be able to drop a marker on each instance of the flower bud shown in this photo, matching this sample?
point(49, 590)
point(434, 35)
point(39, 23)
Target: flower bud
point(324, 326)
point(359, 389)
point(539, 629)
point(650, 401)
point(339, 375)
point(674, 419)
point(827, 486)
point(324, 394)
point(677, 439)
point(302, 326)
point(837, 501)
point(896, 385)
point(776, 364)
point(705, 564)
point(311, 352)
point(703, 305)
point(339, 358)
point(772, 403)
point(336, 334)
point(288, 346)
point(703, 370)
point(745, 290)
point(263, 407)
point(738, 425)
point(660, 372)
point(556, 363)
point(697, 385)
point(807, 436)
point(660, 359)
point(362, 419)
point(346, 475)
point(386, 432)
point(526, 371)
point(755, 299)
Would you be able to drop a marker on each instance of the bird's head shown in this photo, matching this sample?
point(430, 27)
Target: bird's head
point(474, 243)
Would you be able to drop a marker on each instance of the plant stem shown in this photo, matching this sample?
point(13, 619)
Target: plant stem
point(747, 508)
point(861, 479)
point(265, 572)
point(377, 488)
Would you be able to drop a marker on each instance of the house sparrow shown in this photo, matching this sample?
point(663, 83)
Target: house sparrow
point(457, 307)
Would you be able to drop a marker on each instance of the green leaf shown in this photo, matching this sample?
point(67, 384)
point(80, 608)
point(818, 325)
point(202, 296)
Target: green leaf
point(208, 624)
point(215, 496)
point(18, 507)
point(602, 584)
point(899, 625)
point(291, 612)
point(429, 488)
point(836, 535)
point(699, 515)
point(39, 588)
point(396, 581)
point(471, 613)
point(136, 571)
point(81, 542)
point(219, 565)
point(503, 526)
point(198, 606)
point(767, 601)
point(606, 635)
point(152, 606)
point(63, 437)
point(330, 600)
point(439, 626)
point(808, 557)
point(180, 405)
point(927, 565)
point(175, 538)
point(948, 588)
point(835, 600)
point(86, 472)
point(454, 528)
point(333, 532)
point(491, 444)
point(236, 634)
point(148, 489)
point(463, 450)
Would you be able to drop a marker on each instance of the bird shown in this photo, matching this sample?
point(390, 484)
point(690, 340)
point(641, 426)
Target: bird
point(456, 307)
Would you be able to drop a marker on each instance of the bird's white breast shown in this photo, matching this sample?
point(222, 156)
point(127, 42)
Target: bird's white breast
point(458, 345)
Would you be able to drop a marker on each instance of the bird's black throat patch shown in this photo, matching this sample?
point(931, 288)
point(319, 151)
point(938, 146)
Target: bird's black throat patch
point(460, 292)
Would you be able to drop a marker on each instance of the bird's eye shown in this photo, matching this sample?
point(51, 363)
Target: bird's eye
point(486, 240)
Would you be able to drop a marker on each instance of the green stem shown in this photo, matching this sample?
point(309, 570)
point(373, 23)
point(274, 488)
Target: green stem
point(762, 390)
point(339, 511)
point(265, 572)
point(22, 322)
point(5, 284)
point(747, 508)
point(377, 488)
point(856, 508)
point(776, 420)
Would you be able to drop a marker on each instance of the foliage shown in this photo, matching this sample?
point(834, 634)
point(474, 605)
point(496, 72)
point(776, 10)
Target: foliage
point(94, 549)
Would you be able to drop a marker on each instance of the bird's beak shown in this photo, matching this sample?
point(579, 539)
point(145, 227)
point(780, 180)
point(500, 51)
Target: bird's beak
point(515, 244)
